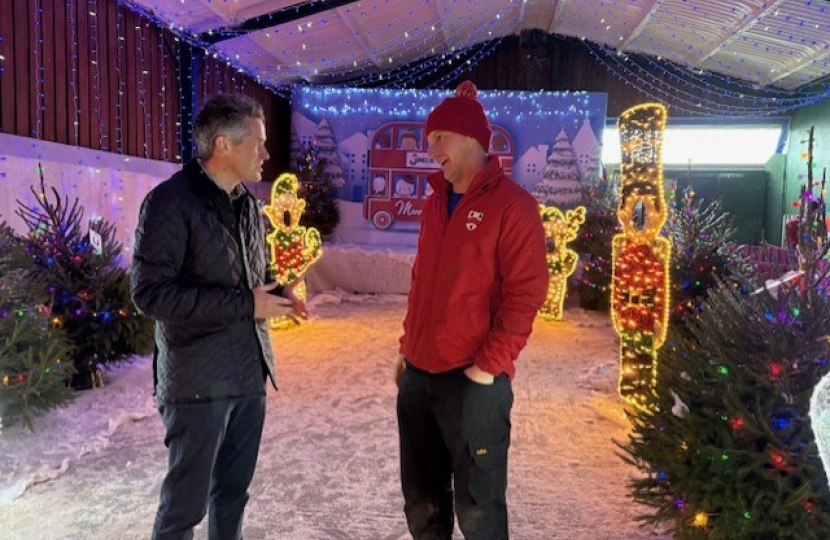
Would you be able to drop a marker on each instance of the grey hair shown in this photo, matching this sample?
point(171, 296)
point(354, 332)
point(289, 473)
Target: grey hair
point(224, 115)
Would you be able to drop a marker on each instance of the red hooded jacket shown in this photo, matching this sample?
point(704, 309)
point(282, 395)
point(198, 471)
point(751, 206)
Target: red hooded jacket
point(479, 278)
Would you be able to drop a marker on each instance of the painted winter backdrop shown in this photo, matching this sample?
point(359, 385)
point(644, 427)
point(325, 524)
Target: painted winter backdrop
point(556, 136)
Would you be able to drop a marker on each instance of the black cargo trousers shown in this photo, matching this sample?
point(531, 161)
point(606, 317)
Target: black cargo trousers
point(454, 433)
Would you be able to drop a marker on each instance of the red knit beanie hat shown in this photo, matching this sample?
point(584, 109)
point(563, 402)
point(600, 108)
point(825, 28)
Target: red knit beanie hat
point(462, 114)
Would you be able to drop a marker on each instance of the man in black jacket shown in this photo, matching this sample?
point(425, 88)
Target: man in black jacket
point(199, 269)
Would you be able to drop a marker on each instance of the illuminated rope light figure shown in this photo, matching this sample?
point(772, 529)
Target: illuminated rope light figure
point(293, 248)
point(640, 258)
point(560, 229)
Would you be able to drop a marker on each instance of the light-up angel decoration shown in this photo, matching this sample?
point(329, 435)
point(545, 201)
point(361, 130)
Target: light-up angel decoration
point(560, 229)
point(640, 258)
point(293, 248)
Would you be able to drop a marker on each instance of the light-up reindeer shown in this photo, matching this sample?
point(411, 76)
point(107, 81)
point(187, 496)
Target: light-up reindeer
point(640, 260)
point(293, 248)
point(559, 230)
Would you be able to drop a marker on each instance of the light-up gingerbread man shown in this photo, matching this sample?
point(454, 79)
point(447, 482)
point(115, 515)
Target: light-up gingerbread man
point(640, 259)
point(560, 229)
point(293, 248)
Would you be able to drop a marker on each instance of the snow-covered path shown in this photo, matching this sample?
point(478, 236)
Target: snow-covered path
point(328, 468)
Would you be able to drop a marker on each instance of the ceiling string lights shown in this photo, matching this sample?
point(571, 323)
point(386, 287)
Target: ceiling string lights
point(476, 45)
point(682, 72)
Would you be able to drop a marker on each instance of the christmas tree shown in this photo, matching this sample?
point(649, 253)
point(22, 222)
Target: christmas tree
point(704, 253)
point(810, 226)
point(87, 288)
point(560, 185)
point(727, 451)
point(316, 188)
point(594, 242)
point(295, 150)
point(33, 371)
point(326, 148)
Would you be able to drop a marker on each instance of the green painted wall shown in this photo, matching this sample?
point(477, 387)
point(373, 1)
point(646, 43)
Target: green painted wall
point(776, 200)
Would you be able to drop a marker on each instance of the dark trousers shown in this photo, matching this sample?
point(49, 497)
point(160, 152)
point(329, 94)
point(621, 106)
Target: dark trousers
point(213, 449)
point(454, 433)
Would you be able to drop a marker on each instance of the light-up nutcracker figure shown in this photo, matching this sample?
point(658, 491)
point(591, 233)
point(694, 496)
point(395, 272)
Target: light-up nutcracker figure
point(293, 248)
point(559, 230)
point(640, 259)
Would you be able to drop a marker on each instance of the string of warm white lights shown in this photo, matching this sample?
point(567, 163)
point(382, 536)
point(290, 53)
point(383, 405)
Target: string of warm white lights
point(119, 71)
point(692, 44)
point(662, 84)
point(73, 71)
point(344, 69)
point(165, 115)
point(669, 94)
point(92, 6)
point(343, 66)
point(412, 74)
point(694, 105)
point(466, 65)
point(142, 98)
point(646, 76)
point(725, 86)
point(665, 70)
point(37, 53)
point(417, 39)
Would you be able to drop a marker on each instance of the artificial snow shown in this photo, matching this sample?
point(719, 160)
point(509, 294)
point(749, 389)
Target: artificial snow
point(328, 467)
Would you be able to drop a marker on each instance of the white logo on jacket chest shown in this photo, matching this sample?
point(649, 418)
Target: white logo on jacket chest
point(473, 219)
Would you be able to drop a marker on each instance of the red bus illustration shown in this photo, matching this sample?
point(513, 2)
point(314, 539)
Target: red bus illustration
point(399, 165)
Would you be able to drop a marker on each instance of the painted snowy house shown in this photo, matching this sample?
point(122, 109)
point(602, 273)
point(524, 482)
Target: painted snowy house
point(560, 184)
point(304, 127)
point(529, 167)
point(587, 150)
point(354, 154)
point(327, 150)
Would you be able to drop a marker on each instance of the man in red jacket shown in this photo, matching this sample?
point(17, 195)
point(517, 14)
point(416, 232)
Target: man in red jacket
point(479, 279)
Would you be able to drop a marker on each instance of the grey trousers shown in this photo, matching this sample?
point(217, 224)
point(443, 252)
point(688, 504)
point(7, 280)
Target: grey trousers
point(213, 449)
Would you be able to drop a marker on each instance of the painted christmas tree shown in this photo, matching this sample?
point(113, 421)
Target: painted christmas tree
point(33, 357)
point(327, 150)
point(727, 450)
point(560, 185)
point(321, 210)
point(89, 290)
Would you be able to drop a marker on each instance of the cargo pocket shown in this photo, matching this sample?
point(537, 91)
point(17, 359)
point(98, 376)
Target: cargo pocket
point(488, 472)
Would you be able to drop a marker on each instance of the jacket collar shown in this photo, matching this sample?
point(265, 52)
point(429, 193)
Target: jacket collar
point(204, 186)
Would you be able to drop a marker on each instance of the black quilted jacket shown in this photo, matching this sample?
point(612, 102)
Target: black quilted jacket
point(198, 253)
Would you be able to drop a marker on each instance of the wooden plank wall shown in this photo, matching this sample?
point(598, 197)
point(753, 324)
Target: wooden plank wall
point(94, 74)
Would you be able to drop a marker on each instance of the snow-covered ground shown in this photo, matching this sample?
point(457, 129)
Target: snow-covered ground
point(328, 468)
